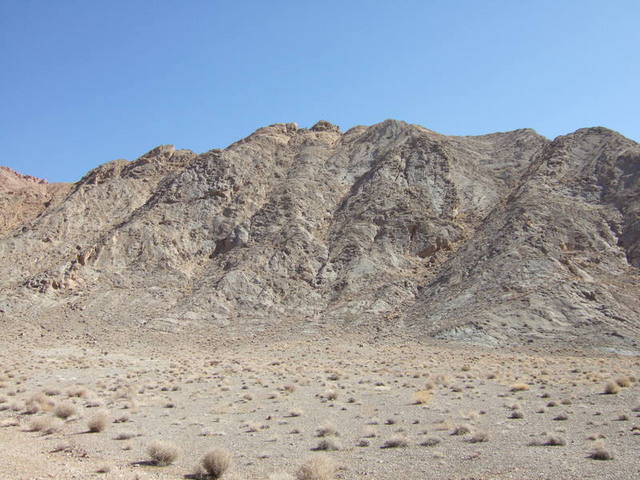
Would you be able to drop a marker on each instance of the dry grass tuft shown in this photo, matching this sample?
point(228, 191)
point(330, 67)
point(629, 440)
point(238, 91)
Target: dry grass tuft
point(331, 395)
point(600, 452)
point(126, 435)
point(430, 442)
point(422, 397)
point(327, 430)
point(319, 467)
point(549, 441)
point(65, 410)
point(46, 425)
point(623, 381)
point(98, 422)
point(163, 453)
point(461, 430)
point(395, 442)
point(328, 444)
point(216, 462)
point(479, 437)
point(611, 388)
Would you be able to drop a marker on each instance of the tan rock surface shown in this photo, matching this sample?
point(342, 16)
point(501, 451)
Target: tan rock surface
point(507, 237)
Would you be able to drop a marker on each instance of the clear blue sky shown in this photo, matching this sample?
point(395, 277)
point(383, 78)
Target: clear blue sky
point(84, 82)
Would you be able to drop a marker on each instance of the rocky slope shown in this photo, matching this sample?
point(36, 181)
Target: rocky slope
point(23, 198)
point(495, 238)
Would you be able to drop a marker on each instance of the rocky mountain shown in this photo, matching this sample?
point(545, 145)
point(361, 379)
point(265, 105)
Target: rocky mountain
point(507, 237)
point(23, 198)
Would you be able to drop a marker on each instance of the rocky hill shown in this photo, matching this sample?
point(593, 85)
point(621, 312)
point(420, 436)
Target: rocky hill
point(507, 237)
point(23, 198)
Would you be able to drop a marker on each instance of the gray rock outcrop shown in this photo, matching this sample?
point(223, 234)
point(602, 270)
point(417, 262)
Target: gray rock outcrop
point(496, 238)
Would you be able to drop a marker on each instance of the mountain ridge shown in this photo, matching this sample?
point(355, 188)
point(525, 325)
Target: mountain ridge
point(459, 237)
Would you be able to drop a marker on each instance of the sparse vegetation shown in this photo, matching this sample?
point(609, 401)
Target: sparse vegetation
point(65, 410)
point(98, 422)
point(600, 452)
point(395, 442)
point(163, 453)
point(316, 468)
point(327, 429)
point(479, 437)
point(611, 388)
point(328, 444)
point(422, 397)
point(216, 462)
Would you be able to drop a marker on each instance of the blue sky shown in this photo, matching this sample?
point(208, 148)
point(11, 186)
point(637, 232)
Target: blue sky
point(85, 82)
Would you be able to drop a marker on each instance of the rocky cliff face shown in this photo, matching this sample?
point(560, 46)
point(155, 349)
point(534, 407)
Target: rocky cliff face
point(494, 238)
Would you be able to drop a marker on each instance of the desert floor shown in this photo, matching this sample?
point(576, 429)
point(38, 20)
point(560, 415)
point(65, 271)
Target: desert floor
point(379, 407)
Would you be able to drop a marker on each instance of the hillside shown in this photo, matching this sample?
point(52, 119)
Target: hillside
point(501, 238)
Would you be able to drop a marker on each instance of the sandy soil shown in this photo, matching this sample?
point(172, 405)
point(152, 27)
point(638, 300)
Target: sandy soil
point(457, 412)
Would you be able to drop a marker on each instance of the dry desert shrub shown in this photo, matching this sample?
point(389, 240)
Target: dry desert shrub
point(216, 462)
point(369, 432)
point(430, 442)
point(549, 441)
point(328, 444)
point(395, 442)
point(45, 425)
point(319, 467)
point(326, 430)
point(331, 395)
point(126, 435)
point(623, 381)
point(78, 391)
point(422, 397)
point(65, 410)
point(31, 408)
point(611, 388)
point(98, 422)
point(38, 402)
point(38, 424)
point(289, 388)
point(62, 447)
point(461, 430)
point(163, 453)
point(600, 452)
point(479, 437)
point(252, 427)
